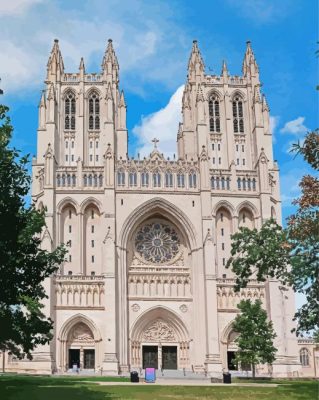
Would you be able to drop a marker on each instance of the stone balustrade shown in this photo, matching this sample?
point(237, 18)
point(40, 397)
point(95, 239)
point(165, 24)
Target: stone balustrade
point(77, 291)
point(167, 285)
point(228, 299)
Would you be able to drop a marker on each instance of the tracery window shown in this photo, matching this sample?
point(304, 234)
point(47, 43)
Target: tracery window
point(238, 115)
point(157, 243)
point(214, 115)
point(121, 178)
point(192, 179)
point(156, 179)
point(145, 179)
point(168, 179)
point(180, 180)
point(69, 112)
point(304, 357)
point(94, 111)
point(133, 179)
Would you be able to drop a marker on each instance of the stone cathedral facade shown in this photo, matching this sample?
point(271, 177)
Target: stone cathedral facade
point(145, 282)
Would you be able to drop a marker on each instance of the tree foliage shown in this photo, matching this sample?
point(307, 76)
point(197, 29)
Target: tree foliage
point(255, 335)
point(290, 255)
point(23, 264)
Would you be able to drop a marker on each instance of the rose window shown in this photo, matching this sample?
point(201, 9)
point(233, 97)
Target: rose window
point(157, 243)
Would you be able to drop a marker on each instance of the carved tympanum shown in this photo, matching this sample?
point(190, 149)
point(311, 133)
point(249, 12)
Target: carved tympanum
point(159, 331)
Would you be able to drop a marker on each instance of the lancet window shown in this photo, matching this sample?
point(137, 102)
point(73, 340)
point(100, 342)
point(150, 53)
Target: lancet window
point(192, 179)
point(94, 111)
point(133, 179)
point(238, 115)
point(69, 111)
point(214, 114)
point(304, 357)
point(144, 179)
point(180, 180)
point(168, 179)
point(156, 179)
point(121, 178)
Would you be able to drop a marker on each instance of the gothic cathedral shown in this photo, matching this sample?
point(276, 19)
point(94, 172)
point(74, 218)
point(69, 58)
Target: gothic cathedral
point(145, 282)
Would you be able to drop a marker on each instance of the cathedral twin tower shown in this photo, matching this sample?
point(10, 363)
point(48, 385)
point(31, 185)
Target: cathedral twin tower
point(145, 282)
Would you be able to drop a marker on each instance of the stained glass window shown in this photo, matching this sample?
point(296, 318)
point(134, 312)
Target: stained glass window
point(157, 243)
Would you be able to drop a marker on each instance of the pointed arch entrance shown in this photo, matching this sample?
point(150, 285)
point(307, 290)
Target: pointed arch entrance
point(159, 339)
point(79, 344)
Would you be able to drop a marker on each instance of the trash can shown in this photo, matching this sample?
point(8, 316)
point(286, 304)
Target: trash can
point(134, 377)
point(226, 377)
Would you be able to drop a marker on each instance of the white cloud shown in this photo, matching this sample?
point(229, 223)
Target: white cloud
point(273, 123)
point(163, 125)
point(16, 7)
point(139, 30)
point(262, 11)
point(295, 127)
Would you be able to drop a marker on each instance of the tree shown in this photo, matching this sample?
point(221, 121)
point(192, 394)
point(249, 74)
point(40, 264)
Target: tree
point(255, 335)
point(292, 254)
point(23, 264)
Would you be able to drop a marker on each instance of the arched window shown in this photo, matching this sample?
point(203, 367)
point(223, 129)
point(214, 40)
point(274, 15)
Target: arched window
point(73, 180)
point(69, 111)
point(100, 180)
point(133, 179)
point(213, 182)
point(90, 180)
point(228, 183)
point(169, 179)
point(192, 179)
point(180, 180)
point(156, 179)
point(254, 184)
point(214, 115)
point(58, 180)
point(304, 357)
point(238, 115)
point(144, 179)
point(238, 183)
point(94, 111)
point(121, 178)
point(223, 183)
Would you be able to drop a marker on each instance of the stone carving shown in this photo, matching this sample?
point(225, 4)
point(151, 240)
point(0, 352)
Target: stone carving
point(183, 308)
point(136, 307)
point(157, 243)
point(81, 333)
point(159, 331)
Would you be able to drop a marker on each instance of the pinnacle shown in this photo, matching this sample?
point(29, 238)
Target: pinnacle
point(122, 100)
point(195, 56)
point(109, 55)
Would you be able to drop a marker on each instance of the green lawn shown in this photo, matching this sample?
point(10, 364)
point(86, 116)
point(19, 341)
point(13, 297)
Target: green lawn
point(69, 388)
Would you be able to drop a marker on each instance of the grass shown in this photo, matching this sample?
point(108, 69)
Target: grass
point(69, 388)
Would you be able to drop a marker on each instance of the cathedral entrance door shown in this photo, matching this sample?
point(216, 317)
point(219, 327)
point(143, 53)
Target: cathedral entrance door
point(150, 357)
point(89, 359)
point(169, 357)
point(74, 357)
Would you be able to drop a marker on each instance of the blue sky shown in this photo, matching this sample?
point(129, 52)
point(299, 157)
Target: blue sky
point(153, 41)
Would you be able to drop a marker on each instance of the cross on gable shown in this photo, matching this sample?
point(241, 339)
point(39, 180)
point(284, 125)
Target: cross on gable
point(155, 141)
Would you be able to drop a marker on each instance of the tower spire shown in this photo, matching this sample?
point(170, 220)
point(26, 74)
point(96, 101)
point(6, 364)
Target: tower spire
point(224, 69)
point(110, 65)
point(55, 66)
point(196, 65)
point(250, 67)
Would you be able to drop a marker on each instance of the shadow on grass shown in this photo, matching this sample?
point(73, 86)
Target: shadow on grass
point(36, 388)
